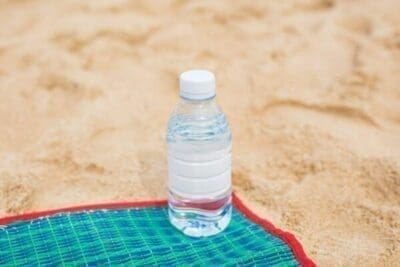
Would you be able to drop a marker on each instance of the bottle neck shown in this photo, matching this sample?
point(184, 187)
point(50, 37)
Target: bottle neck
point(208, 101)
point(204, 106)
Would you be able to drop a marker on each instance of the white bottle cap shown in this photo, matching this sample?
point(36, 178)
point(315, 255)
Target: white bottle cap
point(197, 84)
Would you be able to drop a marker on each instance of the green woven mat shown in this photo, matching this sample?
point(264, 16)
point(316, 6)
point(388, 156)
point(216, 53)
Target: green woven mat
point(135, 236)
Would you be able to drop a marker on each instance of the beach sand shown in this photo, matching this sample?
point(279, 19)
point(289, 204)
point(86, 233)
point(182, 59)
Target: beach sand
point(311, 90)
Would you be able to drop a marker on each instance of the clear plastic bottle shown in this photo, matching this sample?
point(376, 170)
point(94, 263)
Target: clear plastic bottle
point(199, 159)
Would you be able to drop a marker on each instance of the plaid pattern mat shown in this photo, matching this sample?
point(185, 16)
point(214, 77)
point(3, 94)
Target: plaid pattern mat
point(139, 236)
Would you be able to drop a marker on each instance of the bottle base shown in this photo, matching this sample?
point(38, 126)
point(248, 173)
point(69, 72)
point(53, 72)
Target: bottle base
point(195, 222)
point(200, 228)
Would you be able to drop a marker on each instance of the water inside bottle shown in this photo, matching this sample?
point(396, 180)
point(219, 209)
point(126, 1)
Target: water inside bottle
point(196, 137)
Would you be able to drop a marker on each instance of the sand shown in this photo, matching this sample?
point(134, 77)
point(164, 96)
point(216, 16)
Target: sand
point(311, 90)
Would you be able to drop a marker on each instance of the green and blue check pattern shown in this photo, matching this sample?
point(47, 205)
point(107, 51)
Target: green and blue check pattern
point(135, 237)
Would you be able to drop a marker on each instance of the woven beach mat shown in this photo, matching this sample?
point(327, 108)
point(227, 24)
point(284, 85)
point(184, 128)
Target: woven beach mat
point(139, 234)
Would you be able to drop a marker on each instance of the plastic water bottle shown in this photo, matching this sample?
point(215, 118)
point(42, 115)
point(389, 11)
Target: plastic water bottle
point(199, 159)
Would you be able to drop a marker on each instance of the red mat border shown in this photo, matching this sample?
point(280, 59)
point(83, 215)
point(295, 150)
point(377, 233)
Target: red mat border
point(289, 238)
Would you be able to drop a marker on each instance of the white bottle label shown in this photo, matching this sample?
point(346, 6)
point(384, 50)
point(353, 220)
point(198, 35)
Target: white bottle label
point(199, 175)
